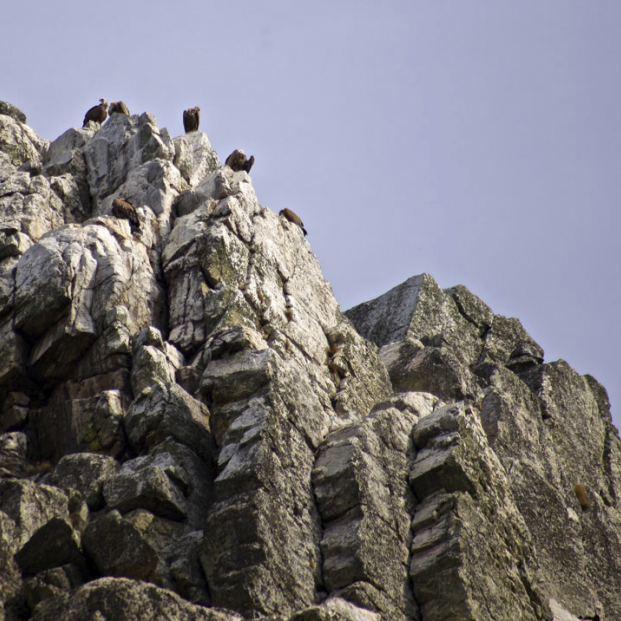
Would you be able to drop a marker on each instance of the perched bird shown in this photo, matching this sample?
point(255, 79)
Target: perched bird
point(237, 161)
point(124, 209)
point(293, 217)
point(97, 113)
point(117, 106)
point(191, 119)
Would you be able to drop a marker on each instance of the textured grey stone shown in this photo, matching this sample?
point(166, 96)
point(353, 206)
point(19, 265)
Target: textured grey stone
point(118, 548)
point(51, 583)
point(86, 473)
point(153, 364)
point(125, 600)
point(360, 481)
point(420, 309)
point(194, 157)
point(429, 369)
point(18, 141)
point(69, 424)
point(309, 475)
point(30, 506)
point(164, 411)
point(13, 447)
point(467, 514)
point(64, 154)
point(10, 110)
point(186, 569)
point(120, 146)
point(144, 486)
point(11, 584)
point(29, 208)
point(52, 545)
point(335, 608)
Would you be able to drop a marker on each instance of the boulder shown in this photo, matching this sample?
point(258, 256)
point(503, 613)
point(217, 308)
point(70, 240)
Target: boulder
point(125, 600)
point(54, 544)
point(86, 473)
point(118, 548)
point(194, 157)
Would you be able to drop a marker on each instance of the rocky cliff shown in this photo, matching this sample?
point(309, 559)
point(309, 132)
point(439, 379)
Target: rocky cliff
point(191, 429)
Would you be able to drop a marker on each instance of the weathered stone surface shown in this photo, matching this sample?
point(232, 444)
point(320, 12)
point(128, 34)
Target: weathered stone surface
point(13, 358)
point(10, 110)
point(262, 533)
point(120, 146)
point(77, 274)
point(18, 141)
point(194, 157)
point(153, 361)
point(14, 410)
point(125, 600)
point(11, 585)
point(51, 583)
point(552, 433)
point(29, 208)
point(455, 319)
point(69, 424)
point(507, 342)
point(420, 309)
point(139, 484)
point(118, 548)
point(360, 378)
point(429, 369)
point(467, 525)
point(86, 473)
point(30, 506)
point(186, 569)
point(472, 308)
point(64, 155)
point(256, 452)
point(192, 473)
point(168, 411)
point(361, 484)
point(13, 447)
point(335, 608)
point(52, 545)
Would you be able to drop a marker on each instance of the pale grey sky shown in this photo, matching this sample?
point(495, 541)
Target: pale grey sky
point(477, 141)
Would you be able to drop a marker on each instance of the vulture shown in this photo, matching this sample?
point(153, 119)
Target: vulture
point(293, 217)
point(191, 119)
point(237, 161)
point(117, 106)
point(124, 209)
point(97, 113)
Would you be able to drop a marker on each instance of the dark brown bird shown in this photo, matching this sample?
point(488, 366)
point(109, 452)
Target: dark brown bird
point(124, 209)
point(191, 119)
point(293, 217)
point(237, 161)
point(97, 113)
point(117, 106)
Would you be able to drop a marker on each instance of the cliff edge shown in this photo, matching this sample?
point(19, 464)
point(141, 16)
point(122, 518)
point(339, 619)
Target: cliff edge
point(191, 429)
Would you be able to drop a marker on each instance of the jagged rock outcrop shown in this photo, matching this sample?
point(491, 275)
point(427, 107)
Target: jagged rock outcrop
point(191, 429)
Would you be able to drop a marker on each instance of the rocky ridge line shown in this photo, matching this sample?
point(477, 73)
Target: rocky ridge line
point(190, 428)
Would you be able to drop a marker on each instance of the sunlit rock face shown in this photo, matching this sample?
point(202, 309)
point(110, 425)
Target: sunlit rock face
point(191, 429)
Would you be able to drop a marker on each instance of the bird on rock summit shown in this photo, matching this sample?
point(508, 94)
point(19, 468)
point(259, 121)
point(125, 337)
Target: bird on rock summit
point(293, 217)
point(97, 113)
point(191, 119)
point(237, 161)
point(117, 106)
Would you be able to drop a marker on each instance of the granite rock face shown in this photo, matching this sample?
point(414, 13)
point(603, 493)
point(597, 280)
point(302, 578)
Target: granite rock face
point(191, 429)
